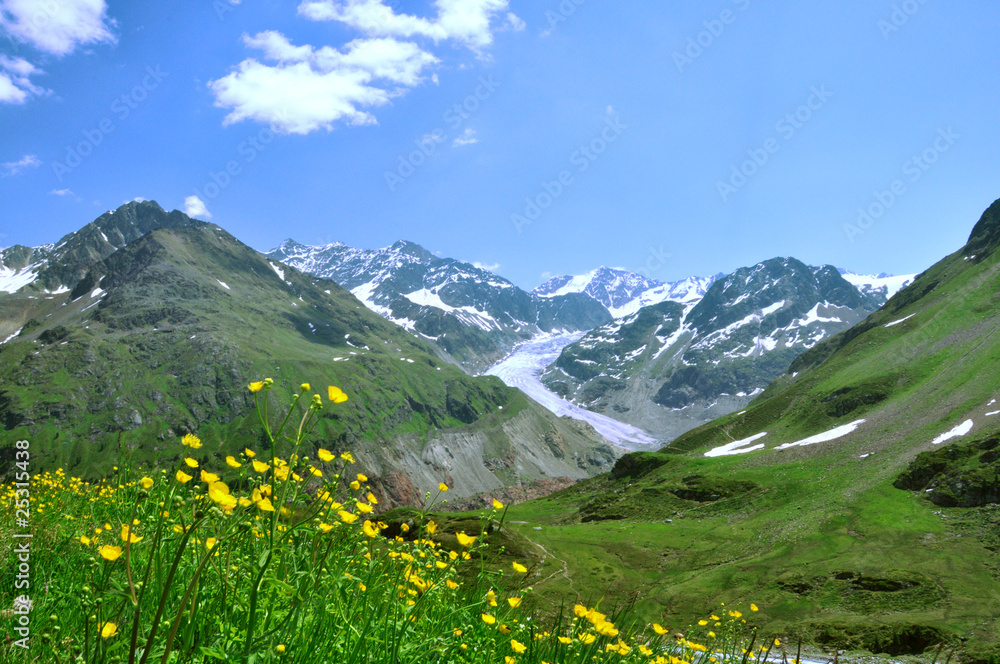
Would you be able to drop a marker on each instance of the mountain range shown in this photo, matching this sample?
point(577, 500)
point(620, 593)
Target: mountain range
point(469, 315)
point(147, 325)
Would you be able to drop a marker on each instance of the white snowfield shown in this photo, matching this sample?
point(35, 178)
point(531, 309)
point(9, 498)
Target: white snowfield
point(738, 447)
point(892, 285)
point(12, 280)
point(832, 434)
point(521, 370)
point(960, 431)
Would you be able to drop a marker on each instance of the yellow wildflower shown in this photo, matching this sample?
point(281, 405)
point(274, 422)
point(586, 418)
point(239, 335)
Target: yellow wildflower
point(111, 553)
point(108, 629)
point(442, 487)
point(232, 462)
point(260, 466)
point(249, 452)
point(335, 394)
point(146, 483)
point(347, 517)
point(488, 619)
point(190, 462)
point(514, 602)
point(519, 568)
point(183, 477)
point(191, 440)
point(497, 505)
point(517, 646)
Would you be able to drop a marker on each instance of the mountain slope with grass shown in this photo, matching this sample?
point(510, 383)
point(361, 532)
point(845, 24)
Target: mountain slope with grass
point(470, 315)
point(160, 337)
point(673, 366)
point(855, 500)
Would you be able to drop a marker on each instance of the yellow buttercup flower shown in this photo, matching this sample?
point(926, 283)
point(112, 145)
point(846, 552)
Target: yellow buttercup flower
point(753, 607)
point(325, 455)
point(347, 517)
point(210, 543)
point(249, 452)
point(260, 466)
point(128, 535)
point(232, 462)
point(280, 647)
point(497, 505)
point(370, 529)
point(442, 487)
point(305, 387)
point(191, 440)
point(109, 552)
point(108, 629)
point(519, 568)
point(208, 477)
point(659, 629)
point(146, 483)
point(347, 456)
point(517, 646)
point(362, 477)
point(355, 485)
point(432, 527)
point(488, 619)
point(85, 540)
point(371, 498)
point(465, 540)
point(364, 509)
point(256, 387)
point(183, 477)
point(451, 584)
point(336, 395)
point(514, 602)
point(190, 462)
point(264, 505)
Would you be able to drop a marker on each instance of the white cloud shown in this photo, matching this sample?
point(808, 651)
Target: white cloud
point(195, 207)
point(465, 21)
point(468, 137)
point(15, 86)
point(515, 22)
point(15, 167)
point(57, 26)
point(310, 88)
point(61, 192)
point(484, 266)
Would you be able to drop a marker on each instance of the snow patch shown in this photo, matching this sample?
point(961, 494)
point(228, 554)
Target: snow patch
point(960, 431)
point(900, 321)
point(277, 270)
point(224, 284)
point(737, 447)
point(832, 434)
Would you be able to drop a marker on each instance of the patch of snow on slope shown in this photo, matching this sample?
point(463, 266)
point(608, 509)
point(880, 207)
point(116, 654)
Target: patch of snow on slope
point(824, 437)
point(960, 431)
point(735, 447)
point(278, 270)
point(901, 320)
point(224, 284)
point(11, 337)
point(892, 285)
point(12, 281)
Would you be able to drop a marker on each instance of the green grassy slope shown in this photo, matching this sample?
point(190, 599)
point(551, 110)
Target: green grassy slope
point(818, 534)
point(161, 337)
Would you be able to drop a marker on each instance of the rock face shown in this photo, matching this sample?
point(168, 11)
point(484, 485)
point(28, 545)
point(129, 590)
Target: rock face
point(673, 366)
point(470, 315)
point(159, 338)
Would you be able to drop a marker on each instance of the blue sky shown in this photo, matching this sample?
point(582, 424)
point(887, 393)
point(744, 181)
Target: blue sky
point(542, 137)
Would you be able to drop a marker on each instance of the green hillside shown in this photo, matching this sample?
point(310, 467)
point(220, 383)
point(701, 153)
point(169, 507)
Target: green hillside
point(873, 537)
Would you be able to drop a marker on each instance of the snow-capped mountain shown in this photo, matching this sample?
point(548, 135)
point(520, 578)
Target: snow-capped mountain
point(623, 292)
point(468, 313)
point(55, 268)
point(882, 285)
point(669, 367)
